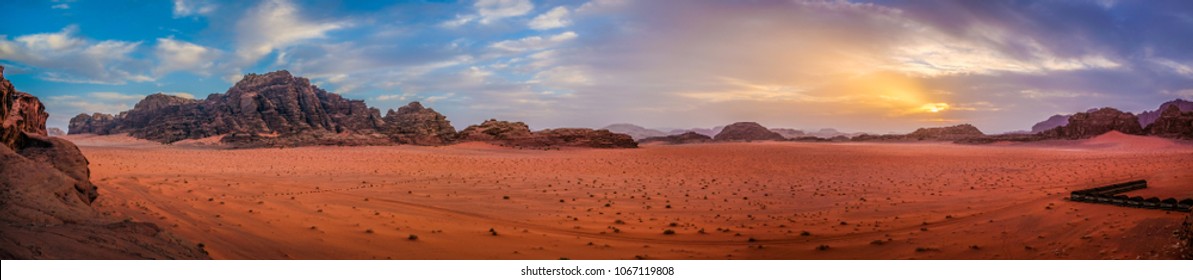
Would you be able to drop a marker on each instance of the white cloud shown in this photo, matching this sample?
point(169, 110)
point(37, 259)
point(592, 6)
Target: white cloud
point(175, 55)
point(65, 57)
point(94, 102)
point(533, 42)
point(185, 8)
point(273, 25)
point(555, 18)
point(61, 6)
point(562, 76)
point(490, 11)
point(493, 10)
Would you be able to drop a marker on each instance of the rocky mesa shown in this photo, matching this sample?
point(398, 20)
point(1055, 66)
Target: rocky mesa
point(277, 109)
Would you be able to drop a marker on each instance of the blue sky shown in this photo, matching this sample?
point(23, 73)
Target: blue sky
point(877, 66)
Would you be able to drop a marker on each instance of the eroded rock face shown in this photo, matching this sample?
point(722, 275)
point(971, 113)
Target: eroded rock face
point(685, 138)
point(97, 123)
point(746, 131)
point(495, 130)
point(1094, 123)
point(273, 103)
point(518, 134)
point(950, 133)
point(46, 196)
point(1172, 123)
point(54, 131)
point(1147, 117)
point(1052, 122)
point(585, 137)
point(415, 124)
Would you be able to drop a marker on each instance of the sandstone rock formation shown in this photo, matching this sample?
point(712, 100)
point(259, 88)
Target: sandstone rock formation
point(685, 138)
point(746, 131)
point(1094, 123)
point(518, 134)
point(46, 196)
point(1147, 117)
point(54, 131)
point(1052, 122)
point(275, 103)
point(950, 133)
point(637, 132)
point(1172, 123)
point(495, 130)
point(415, 124)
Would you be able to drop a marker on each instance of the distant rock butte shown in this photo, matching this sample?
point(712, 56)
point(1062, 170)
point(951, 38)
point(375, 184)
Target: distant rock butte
point(684, 138)
point(950, 133)
point(1052, 122)
point(415, 124)
point(54, 131)
point(637, 132)
point(277, 109)
point(46, 197)
point(518, 134)
point(746, 131)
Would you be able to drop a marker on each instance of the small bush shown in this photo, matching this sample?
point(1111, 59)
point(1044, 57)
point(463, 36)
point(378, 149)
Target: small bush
point(668, 232)
point(822, 247)
point(412, 237)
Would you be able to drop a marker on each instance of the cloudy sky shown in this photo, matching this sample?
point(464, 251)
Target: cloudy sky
point(877, 66)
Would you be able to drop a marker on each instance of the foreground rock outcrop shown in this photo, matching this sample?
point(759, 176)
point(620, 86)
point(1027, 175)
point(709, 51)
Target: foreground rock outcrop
point(746, 131)
point(685, 138)
point(46, 196)
point(518, 134)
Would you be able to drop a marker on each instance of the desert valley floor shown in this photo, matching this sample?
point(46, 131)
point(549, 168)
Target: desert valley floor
point(762, 200)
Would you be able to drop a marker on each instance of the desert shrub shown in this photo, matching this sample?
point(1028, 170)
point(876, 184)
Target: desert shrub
point(669, 232)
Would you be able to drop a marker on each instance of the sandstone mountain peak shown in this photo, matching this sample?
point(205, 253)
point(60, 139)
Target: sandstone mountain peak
point(746, 131)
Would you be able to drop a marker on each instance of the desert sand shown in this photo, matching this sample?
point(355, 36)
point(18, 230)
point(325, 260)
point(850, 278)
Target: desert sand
point(761, 200)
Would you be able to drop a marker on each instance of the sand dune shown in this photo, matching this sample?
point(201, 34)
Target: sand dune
point(776, 200)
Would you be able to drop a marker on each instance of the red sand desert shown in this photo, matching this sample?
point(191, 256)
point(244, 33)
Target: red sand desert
point(762, 200)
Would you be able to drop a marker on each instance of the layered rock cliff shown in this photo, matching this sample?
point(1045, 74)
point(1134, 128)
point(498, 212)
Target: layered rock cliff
point(415, 124)
point(949, 133)
point(518, 134)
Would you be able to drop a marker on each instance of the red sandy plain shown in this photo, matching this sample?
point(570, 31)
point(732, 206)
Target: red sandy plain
point(763, 200)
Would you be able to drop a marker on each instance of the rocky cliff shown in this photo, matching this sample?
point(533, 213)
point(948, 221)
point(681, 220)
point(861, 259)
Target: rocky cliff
point(1172, 123)
point(46, 196)
point(275, 103)
point(1094, 123)
point(746, 131)
point(1147, 117)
